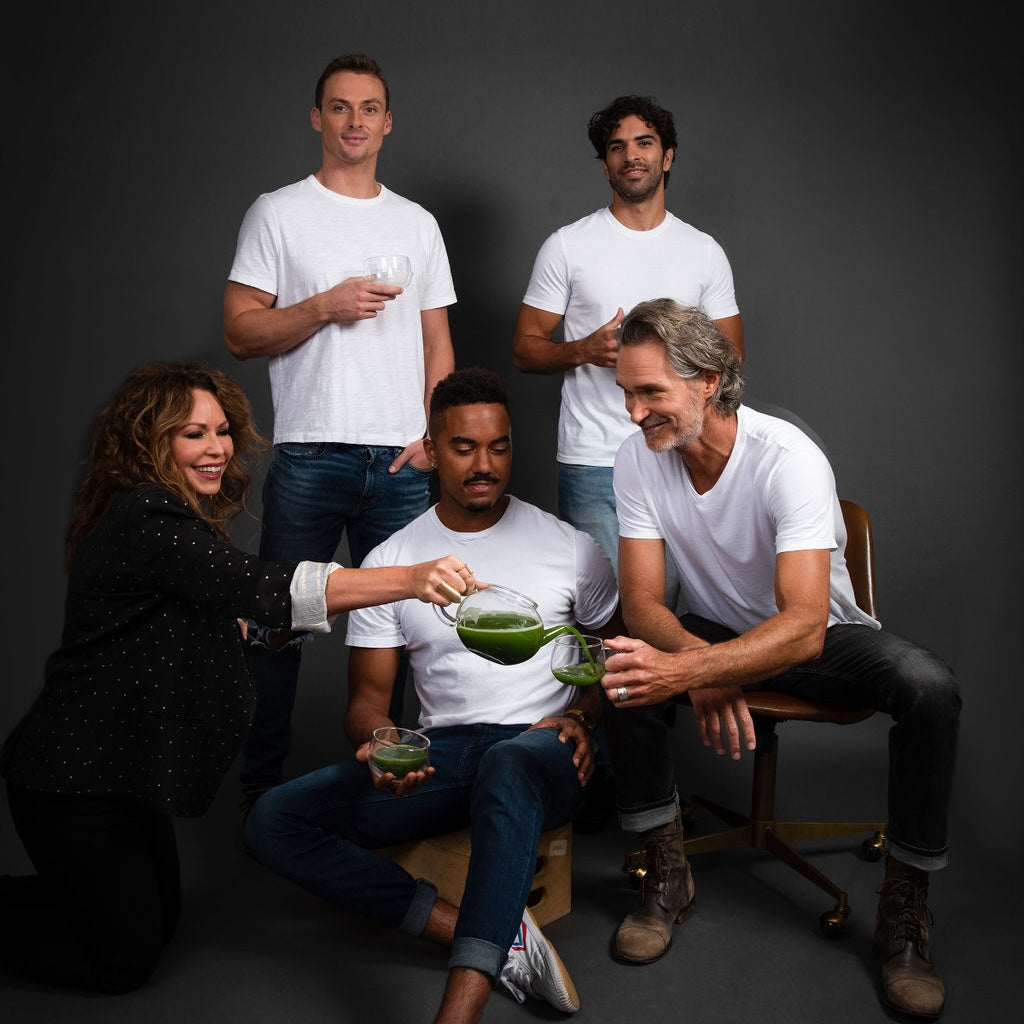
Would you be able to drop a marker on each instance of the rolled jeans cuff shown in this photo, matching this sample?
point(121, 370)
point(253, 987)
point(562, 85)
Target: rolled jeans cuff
point(652, 816)
point(478, 955)
point(422, 904)
point(922, 861)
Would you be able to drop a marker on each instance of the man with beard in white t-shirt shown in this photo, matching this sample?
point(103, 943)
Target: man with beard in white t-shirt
point(747, 506)
point(588, 273)
point(511, 751)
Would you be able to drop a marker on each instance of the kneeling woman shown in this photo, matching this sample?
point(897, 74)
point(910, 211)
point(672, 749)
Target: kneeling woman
point(147, 700)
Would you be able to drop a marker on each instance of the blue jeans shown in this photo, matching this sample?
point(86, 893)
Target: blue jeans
point(508, 784)
point(312, 495)
point(858, 667)
point(586, 500)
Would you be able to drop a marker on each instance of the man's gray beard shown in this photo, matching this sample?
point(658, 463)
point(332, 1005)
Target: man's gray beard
point(680, 441)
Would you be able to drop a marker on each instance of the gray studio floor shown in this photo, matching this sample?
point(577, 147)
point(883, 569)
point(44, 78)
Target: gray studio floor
point(255, 950)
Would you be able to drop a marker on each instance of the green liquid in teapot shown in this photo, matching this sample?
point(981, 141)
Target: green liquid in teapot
point(508, 638)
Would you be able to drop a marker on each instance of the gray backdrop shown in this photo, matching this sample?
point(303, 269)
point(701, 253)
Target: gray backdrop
point(858, 162)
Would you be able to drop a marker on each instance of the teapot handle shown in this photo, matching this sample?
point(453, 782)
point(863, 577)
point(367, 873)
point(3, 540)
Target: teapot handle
point(454, 596)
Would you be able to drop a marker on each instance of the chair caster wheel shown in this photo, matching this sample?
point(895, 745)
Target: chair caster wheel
point(874, 848)
point(833, 922)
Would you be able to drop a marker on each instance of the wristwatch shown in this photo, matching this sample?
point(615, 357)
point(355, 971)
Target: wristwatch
point(582, 717)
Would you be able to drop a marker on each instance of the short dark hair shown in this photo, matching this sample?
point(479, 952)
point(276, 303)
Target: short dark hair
point(361, 65)
point(471, 385)
point(605, 121)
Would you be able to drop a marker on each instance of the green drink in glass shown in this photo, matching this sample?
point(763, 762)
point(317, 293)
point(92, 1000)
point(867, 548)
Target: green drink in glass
point(398, 751)
point(577, 659)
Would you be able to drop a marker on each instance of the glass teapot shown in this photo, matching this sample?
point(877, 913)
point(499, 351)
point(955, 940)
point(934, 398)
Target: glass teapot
point(500, 624)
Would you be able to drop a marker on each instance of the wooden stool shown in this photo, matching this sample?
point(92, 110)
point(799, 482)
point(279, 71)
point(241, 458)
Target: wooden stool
point(444, 860)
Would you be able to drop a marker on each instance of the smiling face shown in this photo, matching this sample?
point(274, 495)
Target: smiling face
point(634, 160)
point(668, 409)
point(473, 454)
point(352, 118)
point(202, 447)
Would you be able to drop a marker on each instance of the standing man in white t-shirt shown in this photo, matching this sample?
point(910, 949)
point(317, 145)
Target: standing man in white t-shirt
point(353, 361)
point(588, 273)
point(510, 748)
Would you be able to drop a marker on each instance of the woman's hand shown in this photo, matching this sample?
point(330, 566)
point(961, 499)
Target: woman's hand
point(444, 581)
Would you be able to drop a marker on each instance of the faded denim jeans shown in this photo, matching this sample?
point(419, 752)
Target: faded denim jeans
point(507, 782)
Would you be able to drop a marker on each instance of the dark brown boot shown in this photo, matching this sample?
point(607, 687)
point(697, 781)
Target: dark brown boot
point(910, 981)
point(666, 897)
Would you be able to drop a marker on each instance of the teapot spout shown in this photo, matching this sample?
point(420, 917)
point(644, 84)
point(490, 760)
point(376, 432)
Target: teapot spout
point(549, 634)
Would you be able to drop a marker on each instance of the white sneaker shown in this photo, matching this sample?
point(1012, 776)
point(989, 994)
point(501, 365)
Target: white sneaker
point(534, 969)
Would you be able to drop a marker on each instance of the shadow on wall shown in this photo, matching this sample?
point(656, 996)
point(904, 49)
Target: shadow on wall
point(770, 409)
point(491, 264)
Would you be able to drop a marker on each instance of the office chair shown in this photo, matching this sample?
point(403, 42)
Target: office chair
point(759, 829)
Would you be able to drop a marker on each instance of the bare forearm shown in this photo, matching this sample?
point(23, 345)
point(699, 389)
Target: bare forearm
point(732, 328)
point(648, 619)
point(362, 588)
point(361, 718)
point(792, 636)
point(255, 326)
point(425, 581)
point(269, 332)
point(772, 647)
point(764, 651)
point(438, 357)
point(534, 354)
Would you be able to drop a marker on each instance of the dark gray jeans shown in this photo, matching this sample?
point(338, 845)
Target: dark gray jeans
point(858, 667)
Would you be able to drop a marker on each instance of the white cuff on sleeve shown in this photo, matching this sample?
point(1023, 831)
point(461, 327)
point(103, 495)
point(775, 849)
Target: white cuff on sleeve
point(309, 596)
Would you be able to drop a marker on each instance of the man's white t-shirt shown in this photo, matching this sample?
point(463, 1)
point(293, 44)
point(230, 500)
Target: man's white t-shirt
point(360, 382)
point(585, 271)
point(777, 493)
point(560, 568)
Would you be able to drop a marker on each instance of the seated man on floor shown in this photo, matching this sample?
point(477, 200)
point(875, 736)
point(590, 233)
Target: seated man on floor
point(746, 505)
point(490, 768)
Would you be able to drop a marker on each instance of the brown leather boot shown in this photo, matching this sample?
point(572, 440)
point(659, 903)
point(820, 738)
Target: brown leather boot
point(666, 897)
point(910, 981)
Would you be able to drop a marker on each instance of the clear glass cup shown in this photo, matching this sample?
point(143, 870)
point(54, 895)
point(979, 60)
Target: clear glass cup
point(577, 659)
point(398, 751)
point(389, 269)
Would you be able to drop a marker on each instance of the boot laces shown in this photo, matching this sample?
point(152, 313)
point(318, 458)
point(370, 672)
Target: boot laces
point(909, 916)
point(658, 862)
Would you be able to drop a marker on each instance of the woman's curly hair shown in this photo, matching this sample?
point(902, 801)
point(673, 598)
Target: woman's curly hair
point(131, 446)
